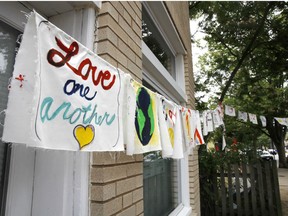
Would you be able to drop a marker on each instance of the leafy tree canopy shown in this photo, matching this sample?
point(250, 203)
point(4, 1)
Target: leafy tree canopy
point(247, 59)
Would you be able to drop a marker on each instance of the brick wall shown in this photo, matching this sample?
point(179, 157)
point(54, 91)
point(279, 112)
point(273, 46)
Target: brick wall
point(117, 179)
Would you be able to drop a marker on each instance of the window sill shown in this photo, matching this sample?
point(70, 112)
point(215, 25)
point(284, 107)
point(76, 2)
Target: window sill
point(181, 210)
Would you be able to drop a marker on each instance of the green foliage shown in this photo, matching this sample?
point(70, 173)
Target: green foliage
point(260, 84)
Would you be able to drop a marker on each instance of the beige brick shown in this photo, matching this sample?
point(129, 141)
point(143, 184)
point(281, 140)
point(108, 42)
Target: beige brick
point(126, 50)
point(127, 17)
point(107, 174)
point(139, 181)
point(134, 169)
point(128, 212)
point(108, 8)
point(118, 6)
point(136, 29)
point(139, 207)
point(106, 47)
point(107, 34)
point(103, 158)
point(112, 61)
point(103, 192)
point(128, 8)
point(121, 58)
point(108, 208)
point(127, 200)
point(135, 8)
point(139, 157)
point(125, 185)
point(133, 68)
point(138, 61)
point(123, 158)
point(137, 195)
point(127, 28)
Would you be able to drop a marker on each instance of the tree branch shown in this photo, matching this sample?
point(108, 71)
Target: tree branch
point(246, 51)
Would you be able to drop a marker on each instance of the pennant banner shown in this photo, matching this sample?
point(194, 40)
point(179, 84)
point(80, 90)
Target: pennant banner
point(70, 98)
point(242, 116)
point(253, 118)
point(263, 121)
point(282, 121)
point(230, 111)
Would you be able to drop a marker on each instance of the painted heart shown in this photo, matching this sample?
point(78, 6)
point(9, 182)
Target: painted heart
point(84, 135)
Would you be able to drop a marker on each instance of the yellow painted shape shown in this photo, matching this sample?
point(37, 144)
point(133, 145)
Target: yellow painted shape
point(84, 135)
point(171, 135)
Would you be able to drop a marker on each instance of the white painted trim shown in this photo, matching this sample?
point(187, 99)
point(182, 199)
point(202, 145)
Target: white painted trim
point(156, 71)
point(161, 18)
point(13, 13)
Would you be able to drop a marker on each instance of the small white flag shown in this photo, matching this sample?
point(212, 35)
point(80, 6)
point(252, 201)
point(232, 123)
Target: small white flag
point(223, 143)
point(242, 116)
point(253, 118)
point(230, 111)
point(263, 121)
point(282, 121)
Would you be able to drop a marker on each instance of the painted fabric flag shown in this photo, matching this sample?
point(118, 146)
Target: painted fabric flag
point(242, 116)
point(282, 121)
point(129, 107)
point(173, 127)
point(230, 111)
point(198, 137)
point(166, 134)
point(147, 136)
point(253, 118)
point(70, 97)
point(263, 121)
point(217, 120)
point(188, 126)
point(207, 122)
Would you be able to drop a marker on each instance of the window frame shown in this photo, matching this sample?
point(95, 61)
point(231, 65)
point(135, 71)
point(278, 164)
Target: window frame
point(23, 158)
point(155, 74)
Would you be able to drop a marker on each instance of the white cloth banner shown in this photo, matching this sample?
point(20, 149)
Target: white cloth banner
point(147, 134)
point(198, 137)
point(70, 98)
point(253, 118)
point(207, 122)
point(282, 121)
point(263, 121)
point(217, 120)
point(230, 111)
point(173, 124)
point(242, 116)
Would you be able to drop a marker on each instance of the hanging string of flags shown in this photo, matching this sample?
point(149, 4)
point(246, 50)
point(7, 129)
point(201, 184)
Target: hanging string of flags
point(74, 100)
point(244, 116)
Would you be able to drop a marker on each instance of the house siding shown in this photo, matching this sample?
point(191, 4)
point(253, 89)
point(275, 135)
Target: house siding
point(117, 179)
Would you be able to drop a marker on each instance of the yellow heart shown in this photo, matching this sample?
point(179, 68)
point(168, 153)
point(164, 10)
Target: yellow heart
point(84, 135)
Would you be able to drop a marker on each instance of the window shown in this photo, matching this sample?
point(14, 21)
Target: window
point(166, 187)
point(8, 47)
point(39, 179)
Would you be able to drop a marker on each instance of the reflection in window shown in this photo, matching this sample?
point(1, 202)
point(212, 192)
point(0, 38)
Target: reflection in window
point(154, 40)
point(161, 192)
point(8, 46)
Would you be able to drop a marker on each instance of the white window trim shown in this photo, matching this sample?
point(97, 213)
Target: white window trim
point(23, 159)
point(159, 78)
point(154, 71)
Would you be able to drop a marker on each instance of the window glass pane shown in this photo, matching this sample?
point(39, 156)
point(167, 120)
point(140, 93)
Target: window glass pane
point(154, 40)
point(8, 46)
point(161, 192)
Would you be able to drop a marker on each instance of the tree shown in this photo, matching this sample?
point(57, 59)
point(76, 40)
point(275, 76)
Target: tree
point(247, 59)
